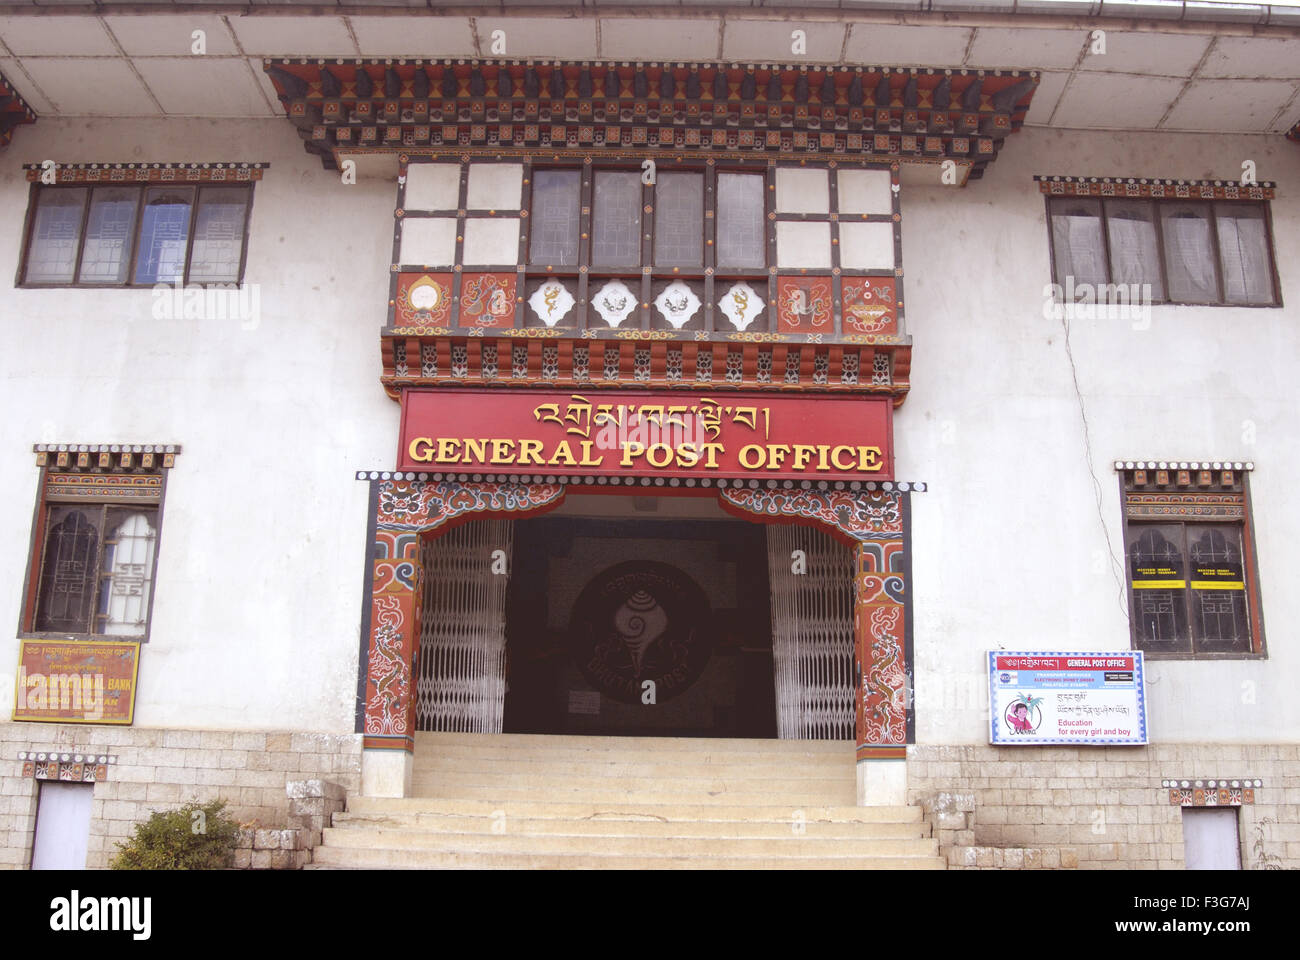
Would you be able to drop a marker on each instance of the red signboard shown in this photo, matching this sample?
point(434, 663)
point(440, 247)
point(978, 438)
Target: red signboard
point(77, 681)
point(678, 434)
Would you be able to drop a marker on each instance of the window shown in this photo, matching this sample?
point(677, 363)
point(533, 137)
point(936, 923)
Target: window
point(712, 251)
point(1189, 251)
point(115, 235)
point(95, 541)
point(1190, 560)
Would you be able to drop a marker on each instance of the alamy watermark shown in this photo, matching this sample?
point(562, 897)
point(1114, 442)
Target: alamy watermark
point(1098, 301)
point(211, 302)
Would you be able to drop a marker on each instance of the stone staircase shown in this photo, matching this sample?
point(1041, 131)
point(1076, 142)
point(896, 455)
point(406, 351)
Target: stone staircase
point(545, 802)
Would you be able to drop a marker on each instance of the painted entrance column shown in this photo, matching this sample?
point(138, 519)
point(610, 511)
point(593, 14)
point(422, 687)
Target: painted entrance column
point(402, 510)
point(877, 525)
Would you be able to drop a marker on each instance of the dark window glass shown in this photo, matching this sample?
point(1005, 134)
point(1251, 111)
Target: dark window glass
point(679, 220)
point(56, 234)
point(616, 231)
point(106, 257)
point(69, 571)
point(218, 235)
point(1189, 252)
point(553, 237)
point(164, 235)
point(742, 225)
point(1134, 248)
point(1218, 589)
point(1158, 579)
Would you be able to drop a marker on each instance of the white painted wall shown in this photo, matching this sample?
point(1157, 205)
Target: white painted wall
point(261, 562)
point(258, 596)
point(1011, 547)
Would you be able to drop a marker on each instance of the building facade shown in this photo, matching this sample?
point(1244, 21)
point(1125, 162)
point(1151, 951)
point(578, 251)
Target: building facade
point(373, 373)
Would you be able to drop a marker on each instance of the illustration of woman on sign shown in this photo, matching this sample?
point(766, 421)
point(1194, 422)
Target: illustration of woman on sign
point(1022, 715)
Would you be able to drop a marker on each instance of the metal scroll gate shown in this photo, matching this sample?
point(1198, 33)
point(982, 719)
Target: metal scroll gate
point(812, 633)
point(461, 679)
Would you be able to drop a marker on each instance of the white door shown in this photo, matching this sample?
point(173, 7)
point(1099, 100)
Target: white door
point(62, 826)
point(1210, 840)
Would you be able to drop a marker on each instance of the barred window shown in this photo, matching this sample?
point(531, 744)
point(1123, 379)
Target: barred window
point(94, 551)
point(1190, 561)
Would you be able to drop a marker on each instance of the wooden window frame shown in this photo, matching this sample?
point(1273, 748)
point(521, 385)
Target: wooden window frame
point(29, 226)
point(1265, 205)
point(39, 544)
point(1250, 566)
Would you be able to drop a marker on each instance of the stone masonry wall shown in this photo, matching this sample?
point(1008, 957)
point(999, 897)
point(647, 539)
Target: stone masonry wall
point(163, 769)
point(1104, 807)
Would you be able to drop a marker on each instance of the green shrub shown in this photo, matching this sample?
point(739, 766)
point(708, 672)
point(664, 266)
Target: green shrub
point(194, 837)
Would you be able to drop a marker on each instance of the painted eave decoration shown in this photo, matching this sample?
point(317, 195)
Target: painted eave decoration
point(907, 114)
point(14, 111)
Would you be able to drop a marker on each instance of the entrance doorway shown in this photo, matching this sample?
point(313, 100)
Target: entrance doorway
point(637, 616)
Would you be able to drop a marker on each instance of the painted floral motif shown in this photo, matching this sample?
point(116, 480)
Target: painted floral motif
point(423, 298)
point(677, 304)
point(487, 300)
point(614, 302)
point(388, 682)
point(869, 305)
point(421, 505)
point(859, 516)
point(804, 304)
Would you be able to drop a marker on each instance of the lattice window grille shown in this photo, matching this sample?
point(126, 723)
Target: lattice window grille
point(460, 682)
point(880, 369)
point(812, 634)
point(704, 367)
point(792, 365)
point(735, 367)
point(612, 354)
point(821, 368)
point(459, 360)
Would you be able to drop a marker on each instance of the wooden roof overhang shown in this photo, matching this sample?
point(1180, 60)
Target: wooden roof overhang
point(14, 111)
point(907, 114)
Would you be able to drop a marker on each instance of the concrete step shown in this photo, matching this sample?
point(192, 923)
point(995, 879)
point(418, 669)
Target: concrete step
point(690, 766)
point(378, 838)
point(519, 744)
point(631, 826)
point(635, 809)
point(842, 792)
point(329, 857)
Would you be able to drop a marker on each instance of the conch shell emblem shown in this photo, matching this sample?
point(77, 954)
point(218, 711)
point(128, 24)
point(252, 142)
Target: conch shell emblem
point(640, 621)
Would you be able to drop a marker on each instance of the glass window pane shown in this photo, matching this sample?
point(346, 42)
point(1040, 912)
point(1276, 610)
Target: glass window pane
point(1134, 250)
point(742, 227)
point(1077, 242)
point(1218, 582)
point(127, 572)
point(1243, 253)
point(679, 220)
point(616, 230)
point(553, 237)
point(68, 571)
point(109, 231)
point(164, 235)
point(219, 234)
point(52, 257)
point(1189, 252)
point(1158, 579)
